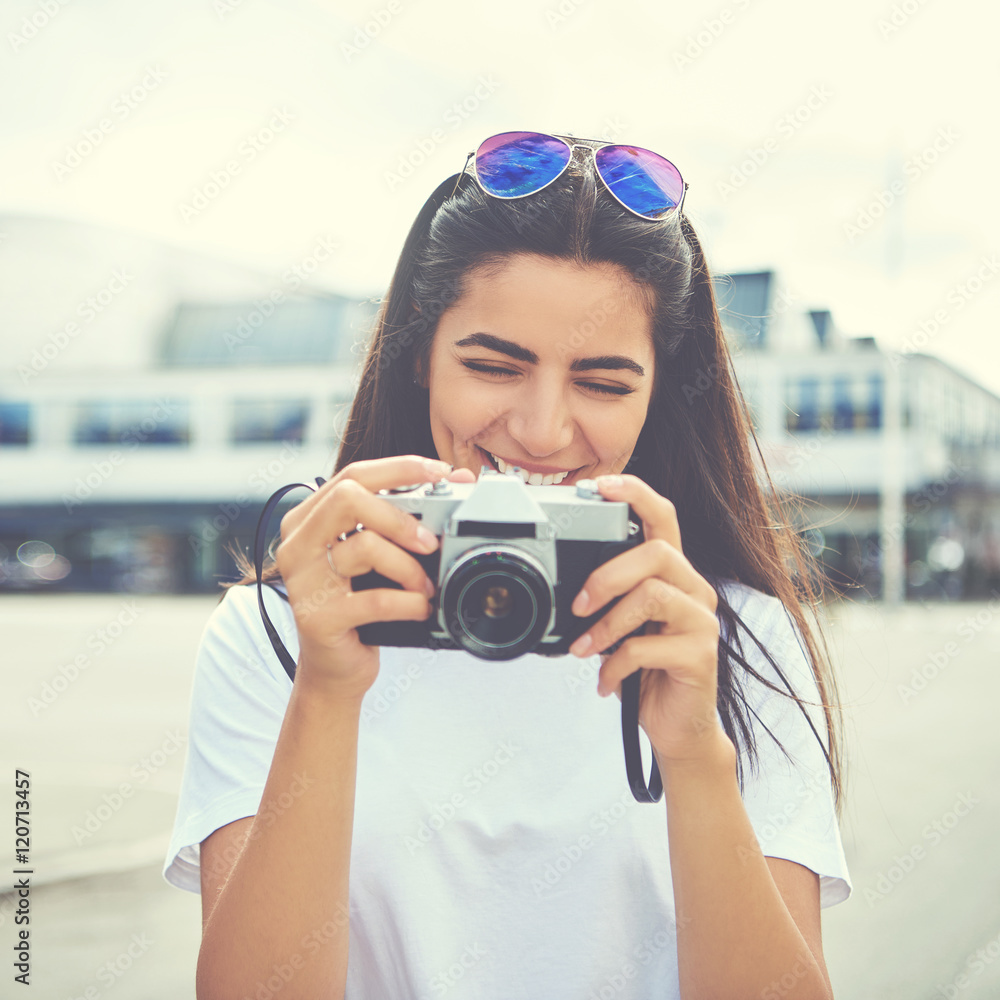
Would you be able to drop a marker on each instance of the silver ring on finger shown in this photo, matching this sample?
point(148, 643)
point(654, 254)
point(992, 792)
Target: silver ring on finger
point(344, 535)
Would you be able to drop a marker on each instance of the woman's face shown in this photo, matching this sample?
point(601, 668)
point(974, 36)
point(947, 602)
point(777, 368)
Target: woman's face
point(547, 365)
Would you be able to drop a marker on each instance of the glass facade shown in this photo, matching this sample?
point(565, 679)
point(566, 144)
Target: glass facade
point(261, 420)
point(838, 402)
point(131, 423)
point(15, 424)
point(803, 402)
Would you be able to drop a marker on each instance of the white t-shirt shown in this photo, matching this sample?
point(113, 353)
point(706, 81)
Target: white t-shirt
point(497, 848)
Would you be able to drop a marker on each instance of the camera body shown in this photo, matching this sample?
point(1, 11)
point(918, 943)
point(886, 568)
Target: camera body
point(511, 558)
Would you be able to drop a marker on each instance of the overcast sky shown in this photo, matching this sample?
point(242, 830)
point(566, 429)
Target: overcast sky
point(252, 129)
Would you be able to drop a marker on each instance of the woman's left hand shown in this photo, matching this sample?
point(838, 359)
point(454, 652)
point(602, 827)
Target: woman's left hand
point(679, 652)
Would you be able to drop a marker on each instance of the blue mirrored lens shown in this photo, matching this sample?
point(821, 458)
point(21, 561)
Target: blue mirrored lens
point(514, 164)
point(643, 181)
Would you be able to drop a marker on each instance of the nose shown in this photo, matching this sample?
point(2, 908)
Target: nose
point(541, 422)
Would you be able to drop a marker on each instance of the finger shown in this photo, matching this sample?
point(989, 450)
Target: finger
point(689, 659)
point(374, 475)
point(343, 609)
point(345, 506)
point(658, 514)
point(368, 550)
point(655, 557)
point(391, 473)
point(381, 604)
point(653, 600)
point(316, 589)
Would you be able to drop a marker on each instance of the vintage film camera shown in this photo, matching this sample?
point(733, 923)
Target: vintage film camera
point(510, 561)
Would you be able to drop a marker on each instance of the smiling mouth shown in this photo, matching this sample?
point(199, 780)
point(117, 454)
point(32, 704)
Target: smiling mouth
point(528, 478)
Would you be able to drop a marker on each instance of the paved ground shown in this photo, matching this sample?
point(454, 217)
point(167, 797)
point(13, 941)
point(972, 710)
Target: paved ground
point(922, 686)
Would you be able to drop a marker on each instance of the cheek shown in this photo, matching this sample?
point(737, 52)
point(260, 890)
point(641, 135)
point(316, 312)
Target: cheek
point(459, 410)
point(617, 435)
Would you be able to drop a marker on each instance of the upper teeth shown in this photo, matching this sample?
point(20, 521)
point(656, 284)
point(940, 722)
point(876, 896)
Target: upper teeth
point(530, 478)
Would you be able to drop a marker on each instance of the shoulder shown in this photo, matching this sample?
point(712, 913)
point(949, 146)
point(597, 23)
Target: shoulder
point(751, 605)
point(238, 699)
point(235, 641)
point(758, 613)
point(239, 606)
point(766, 630)
point(787, 788)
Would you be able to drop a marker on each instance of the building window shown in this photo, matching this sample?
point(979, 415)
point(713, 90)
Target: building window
point(260, 420)
point(803, 402)
point(843, 404)
point(15, 424)
point(874, 410)
point(131, 423)
point(837, 403)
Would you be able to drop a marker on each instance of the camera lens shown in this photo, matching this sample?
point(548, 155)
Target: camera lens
point(497, 602)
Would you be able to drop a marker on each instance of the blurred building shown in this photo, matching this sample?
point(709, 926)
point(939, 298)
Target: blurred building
point(151, 402)
point(854, 430)
point(153, 399)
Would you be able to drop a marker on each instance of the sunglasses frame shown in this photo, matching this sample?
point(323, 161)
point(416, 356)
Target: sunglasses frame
point(574, 143)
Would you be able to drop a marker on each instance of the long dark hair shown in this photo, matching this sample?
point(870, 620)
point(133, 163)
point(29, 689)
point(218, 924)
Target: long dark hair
point(695, 444)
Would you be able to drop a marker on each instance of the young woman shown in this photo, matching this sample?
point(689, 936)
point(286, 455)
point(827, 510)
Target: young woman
point(465, 825)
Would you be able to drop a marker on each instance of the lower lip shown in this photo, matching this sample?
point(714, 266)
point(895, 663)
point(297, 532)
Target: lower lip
point(489, 461)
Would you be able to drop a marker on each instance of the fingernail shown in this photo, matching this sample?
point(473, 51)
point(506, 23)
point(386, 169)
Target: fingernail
point(426, 538)
point(581, 602)
point(582, 645)
point(610, 482)
point(429, 586)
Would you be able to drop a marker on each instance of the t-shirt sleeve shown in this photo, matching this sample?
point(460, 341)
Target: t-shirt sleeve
point(790, 801)
point(238, 700)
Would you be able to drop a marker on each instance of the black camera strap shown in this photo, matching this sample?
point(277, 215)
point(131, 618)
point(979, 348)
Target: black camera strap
point(633, 751)
point(630, 685)
point(260, 538)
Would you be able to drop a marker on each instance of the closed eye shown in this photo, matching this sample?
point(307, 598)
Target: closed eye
point(599, 387)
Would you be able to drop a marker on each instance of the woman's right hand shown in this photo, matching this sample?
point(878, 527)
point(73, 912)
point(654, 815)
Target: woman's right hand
point(327, 610)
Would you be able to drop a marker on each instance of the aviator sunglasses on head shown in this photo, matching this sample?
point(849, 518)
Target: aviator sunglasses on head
point(516, 164)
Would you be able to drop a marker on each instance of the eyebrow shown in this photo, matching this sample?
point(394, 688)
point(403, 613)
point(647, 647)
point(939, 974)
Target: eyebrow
point(607, 362)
